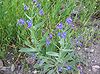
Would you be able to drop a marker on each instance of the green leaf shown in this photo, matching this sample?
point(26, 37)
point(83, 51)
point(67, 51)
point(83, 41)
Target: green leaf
point(2, 54)
point(27, 16)
point(67, 50)
point(61, 42)
point(39, 25)
point(50, 72)
point(50, 53)
point(27, 50)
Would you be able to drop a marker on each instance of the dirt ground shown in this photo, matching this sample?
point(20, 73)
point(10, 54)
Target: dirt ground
point(91, 55)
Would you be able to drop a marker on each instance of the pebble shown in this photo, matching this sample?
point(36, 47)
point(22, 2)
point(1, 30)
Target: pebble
point(95, 68)
point(94, 61)
point(91, 50)
point(35, 72)
point(78, 48)
point(12, 67)
point(88, 50)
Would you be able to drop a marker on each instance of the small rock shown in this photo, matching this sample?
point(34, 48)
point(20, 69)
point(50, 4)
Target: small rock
point(89, 69)
point(91, 50)
point(35, 71)
point(93, 61)
point(86, 49)
point(78, 48)
point(89, 58)
point(95, 68)
point(12, 67)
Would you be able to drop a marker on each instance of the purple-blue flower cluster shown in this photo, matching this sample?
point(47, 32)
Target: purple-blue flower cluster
point(62, 35)
point(59, 34)
point(25, 7)
point(50, 36)
point(23, 22)
point(41, 12)
point(59, 26)
point(40, 62)
point(38, 5)
point(80, 68)
point(78, 41)
point(47, 41)
point(68, 68)
point(60, 69)
point(70, 22)
point(29, 22)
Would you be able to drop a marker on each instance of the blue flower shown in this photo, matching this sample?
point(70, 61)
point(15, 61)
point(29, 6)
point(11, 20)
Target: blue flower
point(29, 24)
point(80, 69)
point(78, 43)
point(25, 7)
point(81, 72)
point(60, 69)
point(38, 5)
point(63, 35)
point(21, 21)
point(50, 36)
point(68, 67)
point(40, 62)
point(59, 34)
point(41, 12)
point(33, 55)
point(69, 20)
point(59, 26)
point(47, 41)
point(72, 25)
